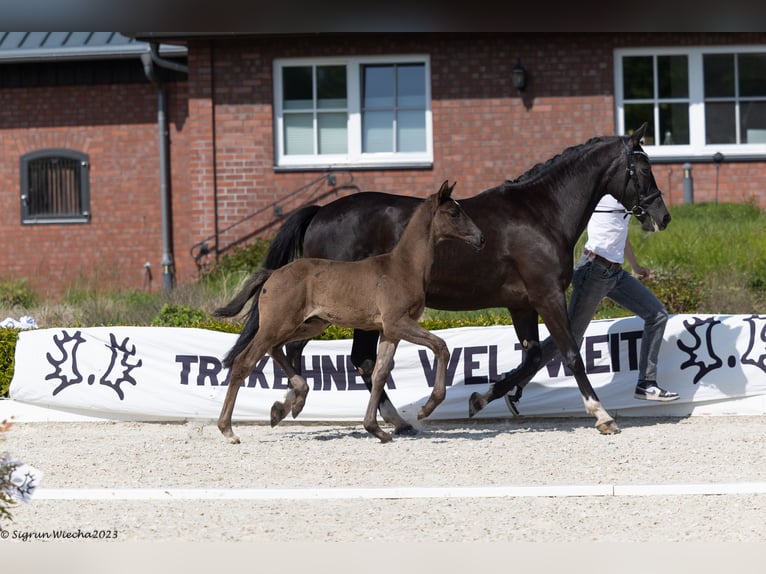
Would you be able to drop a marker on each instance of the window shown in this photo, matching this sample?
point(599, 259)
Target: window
point(697, 101)
point(54, 187)
point(353, 111)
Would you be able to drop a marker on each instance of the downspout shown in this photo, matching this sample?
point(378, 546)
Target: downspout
point(149, 60)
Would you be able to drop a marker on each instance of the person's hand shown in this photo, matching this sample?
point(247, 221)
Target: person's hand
point(642, 272)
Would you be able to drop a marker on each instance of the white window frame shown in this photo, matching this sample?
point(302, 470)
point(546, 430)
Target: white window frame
point(354, 157)
point(697, 148)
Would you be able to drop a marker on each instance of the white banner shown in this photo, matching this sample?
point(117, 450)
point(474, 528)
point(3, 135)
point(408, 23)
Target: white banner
point(151, 373)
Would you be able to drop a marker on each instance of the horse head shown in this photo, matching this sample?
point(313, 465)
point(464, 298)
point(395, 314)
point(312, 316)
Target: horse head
point(450, 220)
point(641, 196)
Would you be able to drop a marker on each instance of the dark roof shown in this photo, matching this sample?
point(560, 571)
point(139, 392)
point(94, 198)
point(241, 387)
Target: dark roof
point(41, 46)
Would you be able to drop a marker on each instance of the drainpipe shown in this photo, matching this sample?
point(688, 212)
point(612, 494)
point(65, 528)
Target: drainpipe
point(149, 60)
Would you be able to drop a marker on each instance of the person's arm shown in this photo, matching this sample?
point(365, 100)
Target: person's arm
point(642, 272)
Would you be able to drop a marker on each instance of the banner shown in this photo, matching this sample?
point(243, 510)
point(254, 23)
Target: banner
point(155, 373)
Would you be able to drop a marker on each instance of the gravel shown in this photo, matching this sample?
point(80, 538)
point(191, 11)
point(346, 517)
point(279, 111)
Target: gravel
point(519, 452)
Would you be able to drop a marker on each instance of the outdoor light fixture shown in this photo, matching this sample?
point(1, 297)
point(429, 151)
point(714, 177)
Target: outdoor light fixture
point(519, 76)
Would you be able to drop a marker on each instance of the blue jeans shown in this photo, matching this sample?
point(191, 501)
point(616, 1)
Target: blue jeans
point(591, 282)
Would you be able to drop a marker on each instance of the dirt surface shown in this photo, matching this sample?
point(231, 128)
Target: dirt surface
point(520, 452)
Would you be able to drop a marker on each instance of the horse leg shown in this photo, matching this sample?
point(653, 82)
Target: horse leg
point(526, 327)
point(294, 351)
point(560, 329)
point(410, 331)
point(295, 398)
point(242, 365)
point(363, 358)
point(386, 350)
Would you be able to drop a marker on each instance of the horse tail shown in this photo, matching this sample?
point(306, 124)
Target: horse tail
point(251, 290)
point(287, 245)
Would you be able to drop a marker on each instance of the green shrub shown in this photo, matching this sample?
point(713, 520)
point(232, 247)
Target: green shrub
point(16, 293)
point(8, 338)
point(184, 316)
point(242, 259)
point(679, 290)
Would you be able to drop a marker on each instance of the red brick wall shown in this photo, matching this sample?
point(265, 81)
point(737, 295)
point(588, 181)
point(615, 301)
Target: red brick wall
point(116, 126)
point(222, 142)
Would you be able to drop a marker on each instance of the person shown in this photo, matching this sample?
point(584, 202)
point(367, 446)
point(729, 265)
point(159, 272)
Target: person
point(599, 273)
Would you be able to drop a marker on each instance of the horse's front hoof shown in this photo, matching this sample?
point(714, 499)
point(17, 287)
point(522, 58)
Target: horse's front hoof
point(476, 403)
point(406, 430)
point(278, 412)
point(422, 413)
point(608, 427)
point(298, 405)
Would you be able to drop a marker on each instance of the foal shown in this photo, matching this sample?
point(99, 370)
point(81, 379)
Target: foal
point(385, 293)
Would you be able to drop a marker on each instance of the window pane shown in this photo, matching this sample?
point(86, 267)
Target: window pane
point(331, 87)
point(718, 70)
point(719, 123)
point(753, 126)
point(299, 134)
point(378, 87)
point(673, 76)
point(411, 131)
point(752, 75)
point(377, 133)
point(297, 86)
point(674, 124)
point(411, 86)
point(333, 136)
point(637, 114)
point(638, 77)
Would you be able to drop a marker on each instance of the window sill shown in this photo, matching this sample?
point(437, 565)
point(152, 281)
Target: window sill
point(50, 221)
point(706, 158)
point(355, 166)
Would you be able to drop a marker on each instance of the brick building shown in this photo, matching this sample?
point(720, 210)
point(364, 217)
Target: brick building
point(260, 124)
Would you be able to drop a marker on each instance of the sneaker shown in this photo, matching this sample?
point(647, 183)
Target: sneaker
point(649, 391)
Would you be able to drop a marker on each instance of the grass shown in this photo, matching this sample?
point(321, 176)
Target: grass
point(710, 259)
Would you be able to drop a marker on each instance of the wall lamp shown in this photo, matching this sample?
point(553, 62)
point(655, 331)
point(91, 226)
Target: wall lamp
point(519, 76)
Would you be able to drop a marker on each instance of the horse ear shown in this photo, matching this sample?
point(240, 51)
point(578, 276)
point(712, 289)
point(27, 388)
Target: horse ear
point(445, 190)
point(638, 135)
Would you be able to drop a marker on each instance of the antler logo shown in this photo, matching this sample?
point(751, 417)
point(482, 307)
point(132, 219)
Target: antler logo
point(757, 325)
point(701, 353)
point(68, 373)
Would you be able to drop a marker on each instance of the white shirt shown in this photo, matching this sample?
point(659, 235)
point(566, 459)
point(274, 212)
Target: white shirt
point(607, 232)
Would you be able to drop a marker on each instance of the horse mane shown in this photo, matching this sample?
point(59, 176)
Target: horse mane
point(542, 169)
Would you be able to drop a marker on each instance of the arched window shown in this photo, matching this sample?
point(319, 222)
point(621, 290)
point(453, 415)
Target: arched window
point(55, 187)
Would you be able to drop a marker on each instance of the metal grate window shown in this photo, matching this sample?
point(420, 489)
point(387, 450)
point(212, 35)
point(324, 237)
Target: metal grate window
point(54, 187)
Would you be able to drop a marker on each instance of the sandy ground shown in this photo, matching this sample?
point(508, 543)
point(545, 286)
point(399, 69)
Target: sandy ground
point(520, 452)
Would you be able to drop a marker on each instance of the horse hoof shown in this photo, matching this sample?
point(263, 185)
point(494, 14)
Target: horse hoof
point(233, 439)
point(608, 427)
point(422, 413)
point(405, 430)
point(298, 406)
point(278, 412)
point(476, 403)
point(384, 437)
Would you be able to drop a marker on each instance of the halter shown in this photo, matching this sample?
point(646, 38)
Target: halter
point(638, 209)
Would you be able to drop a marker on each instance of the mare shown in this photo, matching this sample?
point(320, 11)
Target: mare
point(531, 225)
point(384, 292)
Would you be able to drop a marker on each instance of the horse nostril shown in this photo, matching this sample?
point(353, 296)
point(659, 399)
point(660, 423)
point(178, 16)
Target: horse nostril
point(666, 220)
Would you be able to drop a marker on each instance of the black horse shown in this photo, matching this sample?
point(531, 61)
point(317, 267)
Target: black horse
point(531, 227)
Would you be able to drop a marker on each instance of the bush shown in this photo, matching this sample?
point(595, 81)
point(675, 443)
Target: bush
point(16, 293)
point(680, 291)
point(242, 259)
point(184, 316)
point(8, 338)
